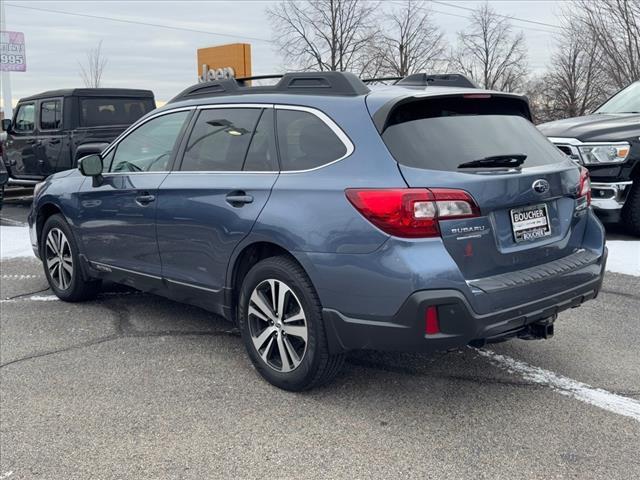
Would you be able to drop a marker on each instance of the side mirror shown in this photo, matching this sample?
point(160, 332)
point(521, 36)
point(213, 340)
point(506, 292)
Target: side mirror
point(91, 166)
point(6, 124)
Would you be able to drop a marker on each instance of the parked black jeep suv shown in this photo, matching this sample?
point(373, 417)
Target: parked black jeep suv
point(52, 130)
point(608, 144)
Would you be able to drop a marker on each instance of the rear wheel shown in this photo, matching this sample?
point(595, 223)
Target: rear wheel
point(631, 210)
point(61, 261)
point(281, 324)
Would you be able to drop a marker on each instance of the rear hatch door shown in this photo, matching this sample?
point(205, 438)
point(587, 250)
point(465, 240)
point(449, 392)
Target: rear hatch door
point(486, 145)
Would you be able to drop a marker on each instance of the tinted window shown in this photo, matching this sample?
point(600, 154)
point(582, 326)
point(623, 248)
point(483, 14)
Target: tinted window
point(95, 112)
point(305, 141)
point(261, 156)
point(25, 118)
point(51, 115)
point(444, 133)
point(149, 147)
point(219, 139)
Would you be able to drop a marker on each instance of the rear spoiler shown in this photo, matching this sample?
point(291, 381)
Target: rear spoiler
point(383, 114)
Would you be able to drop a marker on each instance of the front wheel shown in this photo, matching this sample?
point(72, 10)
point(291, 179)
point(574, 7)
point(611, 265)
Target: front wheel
point(61, 261)
point(281, 323)
point(631, 210)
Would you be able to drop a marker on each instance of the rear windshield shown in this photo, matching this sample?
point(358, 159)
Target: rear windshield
point(441, 134)
point(104, 111)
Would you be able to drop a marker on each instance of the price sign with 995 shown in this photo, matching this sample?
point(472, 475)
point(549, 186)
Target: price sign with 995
point(12, 52)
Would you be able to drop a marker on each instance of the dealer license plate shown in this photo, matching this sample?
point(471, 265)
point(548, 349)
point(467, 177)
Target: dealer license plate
point(530, 223)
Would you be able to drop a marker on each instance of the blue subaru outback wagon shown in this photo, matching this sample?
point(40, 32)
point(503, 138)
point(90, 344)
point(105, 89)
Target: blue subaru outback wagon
point(322, 216)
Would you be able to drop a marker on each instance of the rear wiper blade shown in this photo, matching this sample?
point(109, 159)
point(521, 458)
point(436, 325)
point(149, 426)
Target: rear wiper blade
point(511, 160)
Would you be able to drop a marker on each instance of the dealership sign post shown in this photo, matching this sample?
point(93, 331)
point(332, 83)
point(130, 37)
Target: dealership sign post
point(12, 59)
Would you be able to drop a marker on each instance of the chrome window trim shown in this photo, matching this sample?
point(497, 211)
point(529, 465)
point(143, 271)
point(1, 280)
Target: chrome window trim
point(346, 141)
point(210, 106)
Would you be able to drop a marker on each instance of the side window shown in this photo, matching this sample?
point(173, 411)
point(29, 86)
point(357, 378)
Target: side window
point(25, 118)
point(261, 156)
point(51, 115)
point(305, 141)
point(149, 147)
point(219, 139)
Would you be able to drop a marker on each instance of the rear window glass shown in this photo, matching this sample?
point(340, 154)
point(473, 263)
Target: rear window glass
point(441, 134)
point(305, 141)
point(51, 115)
point(97, 112)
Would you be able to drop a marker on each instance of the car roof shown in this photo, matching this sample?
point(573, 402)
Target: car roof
point(376, 97)
point(91, 92)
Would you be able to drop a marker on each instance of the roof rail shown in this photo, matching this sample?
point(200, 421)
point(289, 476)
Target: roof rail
point(306, 83)
point(436, 80)
point(382, 79)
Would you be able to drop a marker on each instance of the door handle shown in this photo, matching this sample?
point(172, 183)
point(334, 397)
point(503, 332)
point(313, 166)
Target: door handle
point(238, 198)
point(145, 199)
point(54, 141)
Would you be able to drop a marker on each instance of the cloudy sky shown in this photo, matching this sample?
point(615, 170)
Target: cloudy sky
point(164, 59)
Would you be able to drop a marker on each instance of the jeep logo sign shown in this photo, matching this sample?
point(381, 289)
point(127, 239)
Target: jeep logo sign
point(210, 74)
point(224, 61)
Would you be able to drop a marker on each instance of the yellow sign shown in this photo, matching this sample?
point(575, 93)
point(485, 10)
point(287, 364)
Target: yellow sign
point(224, 61)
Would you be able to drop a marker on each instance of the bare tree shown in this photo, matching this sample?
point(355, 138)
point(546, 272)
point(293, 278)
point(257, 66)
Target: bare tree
point(615, 26)
point(326, 34)
point(490, 53)
point(413, 43)
point(92, 71)
point(576, 80)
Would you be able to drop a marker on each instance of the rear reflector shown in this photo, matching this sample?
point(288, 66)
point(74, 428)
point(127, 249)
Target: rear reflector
point(431, 323)
point(412, 212)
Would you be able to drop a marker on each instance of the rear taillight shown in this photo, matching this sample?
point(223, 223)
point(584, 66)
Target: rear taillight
point(412, 212)
point(584, 187)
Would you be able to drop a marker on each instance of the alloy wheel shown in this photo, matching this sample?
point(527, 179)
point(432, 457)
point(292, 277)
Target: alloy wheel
point(278, 325)
point(59, 259)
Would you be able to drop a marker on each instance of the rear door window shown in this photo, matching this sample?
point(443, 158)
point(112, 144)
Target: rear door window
point(305, 141)
point(443, 133)
point(105, 111)
point(51, 114)
point(220, 139)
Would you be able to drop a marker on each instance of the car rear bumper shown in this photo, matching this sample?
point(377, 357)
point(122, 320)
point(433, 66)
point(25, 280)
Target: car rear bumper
point(459, 323)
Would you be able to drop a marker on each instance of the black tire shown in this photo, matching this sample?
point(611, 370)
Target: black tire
point(316, 366)
point(631, 210)
point(73, 286)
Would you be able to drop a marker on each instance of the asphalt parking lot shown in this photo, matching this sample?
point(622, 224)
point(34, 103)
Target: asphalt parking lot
point(135, 386)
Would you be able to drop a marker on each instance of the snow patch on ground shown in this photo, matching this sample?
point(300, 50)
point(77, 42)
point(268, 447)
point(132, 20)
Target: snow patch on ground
point(624, 256)
point(15, 242)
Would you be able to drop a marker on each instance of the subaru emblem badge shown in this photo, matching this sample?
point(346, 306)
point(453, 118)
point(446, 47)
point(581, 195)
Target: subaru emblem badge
point(541, 186)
